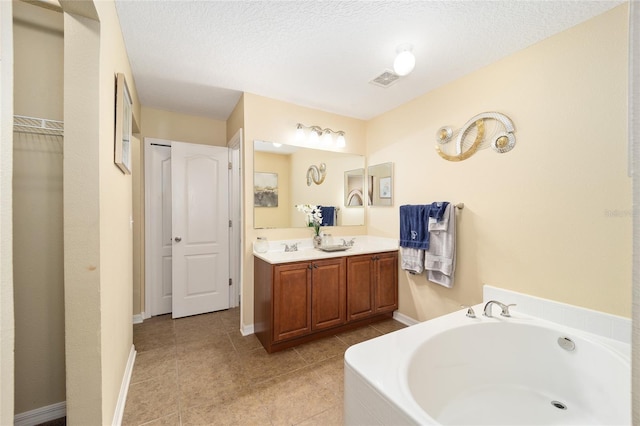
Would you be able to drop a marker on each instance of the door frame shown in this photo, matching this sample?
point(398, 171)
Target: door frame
point(236, 237)
point(236, 242)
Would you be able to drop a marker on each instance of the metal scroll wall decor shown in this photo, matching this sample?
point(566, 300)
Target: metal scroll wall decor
point(316, 174)
point(486, 129)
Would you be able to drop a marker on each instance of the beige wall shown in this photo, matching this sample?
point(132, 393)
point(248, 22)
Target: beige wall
point(38, 36)
point(37, 209)
point(235, 121)
point(6, 234)
point(551, 218)
point(272, 120)
point(98, 210)
point(182, 127)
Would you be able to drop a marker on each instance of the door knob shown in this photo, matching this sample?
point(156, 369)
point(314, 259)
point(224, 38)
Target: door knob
point(178, 239)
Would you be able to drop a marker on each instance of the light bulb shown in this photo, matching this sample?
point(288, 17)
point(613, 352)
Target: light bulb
point(404, 63)
point(277, 145)
point(340, 141)
point(326, 138)
point(313, 137)
point(299, 133)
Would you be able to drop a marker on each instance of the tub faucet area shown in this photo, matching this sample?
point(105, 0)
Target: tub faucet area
point(505, 308)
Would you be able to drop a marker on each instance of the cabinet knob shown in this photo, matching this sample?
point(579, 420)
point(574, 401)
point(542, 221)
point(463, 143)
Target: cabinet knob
point(315, 266)
point(309, 267)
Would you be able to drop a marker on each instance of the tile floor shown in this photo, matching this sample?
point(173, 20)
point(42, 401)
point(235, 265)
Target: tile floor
point(201, 370)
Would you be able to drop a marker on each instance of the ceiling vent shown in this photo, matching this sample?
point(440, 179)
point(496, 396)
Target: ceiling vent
point(386, 79)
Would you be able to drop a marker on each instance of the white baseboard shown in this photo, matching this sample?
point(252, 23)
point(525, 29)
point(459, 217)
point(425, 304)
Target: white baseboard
point(138, 318)
point(246, 329)
point(404, 319)
point(41, 415)
point(124, 388)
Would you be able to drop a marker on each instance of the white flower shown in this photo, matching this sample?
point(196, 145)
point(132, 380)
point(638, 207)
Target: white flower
point(314, 214)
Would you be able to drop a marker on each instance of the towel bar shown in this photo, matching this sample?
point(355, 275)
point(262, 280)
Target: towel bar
point(459, 206)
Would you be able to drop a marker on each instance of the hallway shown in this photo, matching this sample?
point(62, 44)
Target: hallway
point(201, 370)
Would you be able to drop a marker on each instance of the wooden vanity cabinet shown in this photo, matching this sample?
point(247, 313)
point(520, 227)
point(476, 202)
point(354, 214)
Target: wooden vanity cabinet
point(300, 301)
point(308, 296)
point(372, 285)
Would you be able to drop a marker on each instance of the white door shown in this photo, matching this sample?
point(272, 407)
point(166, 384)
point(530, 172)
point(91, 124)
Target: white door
point(160, 240)
point(200, 228)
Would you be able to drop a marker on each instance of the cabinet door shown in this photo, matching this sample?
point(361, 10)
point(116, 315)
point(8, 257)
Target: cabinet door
point(291, 300)
point(360, 287)
point(386, 288)
point(328, 293)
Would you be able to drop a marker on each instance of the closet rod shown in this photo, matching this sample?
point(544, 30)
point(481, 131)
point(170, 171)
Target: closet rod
point(35, 125)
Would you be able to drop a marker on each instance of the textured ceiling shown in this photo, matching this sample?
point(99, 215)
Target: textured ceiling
point(197, 57)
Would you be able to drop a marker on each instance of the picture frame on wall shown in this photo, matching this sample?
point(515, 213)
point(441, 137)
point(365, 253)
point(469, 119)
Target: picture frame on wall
point(265, 189)
point(385, 187)
point(123, 125)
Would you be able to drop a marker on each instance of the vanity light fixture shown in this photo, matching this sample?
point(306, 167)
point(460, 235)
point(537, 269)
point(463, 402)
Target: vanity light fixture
point(405, 60)
point(317, 132)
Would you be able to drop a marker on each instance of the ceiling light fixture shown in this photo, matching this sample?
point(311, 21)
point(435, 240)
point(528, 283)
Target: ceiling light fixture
point(315, 132)
point(405, 60)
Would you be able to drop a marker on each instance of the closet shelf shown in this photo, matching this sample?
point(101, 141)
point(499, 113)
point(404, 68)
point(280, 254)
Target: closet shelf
point(42, 126)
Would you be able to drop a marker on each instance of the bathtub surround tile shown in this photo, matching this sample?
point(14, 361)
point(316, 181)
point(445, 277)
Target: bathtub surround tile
point(201, 370)
point(600, 323)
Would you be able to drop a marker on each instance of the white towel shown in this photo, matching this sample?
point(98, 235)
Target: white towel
point(440, 259)
point(412, 260)
point(434, 225)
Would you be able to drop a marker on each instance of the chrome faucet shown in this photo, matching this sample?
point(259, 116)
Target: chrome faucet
point(292, 247)
point(348, 243)
point(470, 312)
point(505, 308)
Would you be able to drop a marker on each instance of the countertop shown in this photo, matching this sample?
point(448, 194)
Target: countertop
point(363, 244)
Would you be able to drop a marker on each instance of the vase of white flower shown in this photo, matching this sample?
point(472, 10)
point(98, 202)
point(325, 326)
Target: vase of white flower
point(313, 219)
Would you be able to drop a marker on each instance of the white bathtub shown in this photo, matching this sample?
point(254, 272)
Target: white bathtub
point(455, 370)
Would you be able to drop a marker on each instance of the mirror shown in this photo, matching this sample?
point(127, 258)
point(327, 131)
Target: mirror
point(380, 184)
point(281, 175)
point(354, 188)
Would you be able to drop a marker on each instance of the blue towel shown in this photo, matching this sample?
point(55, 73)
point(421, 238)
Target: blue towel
point(328, 215)
point(437, 210)
point(414, 226)
point(414, 223)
